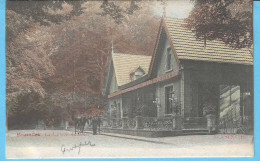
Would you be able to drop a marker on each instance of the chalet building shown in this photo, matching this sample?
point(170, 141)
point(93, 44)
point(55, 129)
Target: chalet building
point(186, 86)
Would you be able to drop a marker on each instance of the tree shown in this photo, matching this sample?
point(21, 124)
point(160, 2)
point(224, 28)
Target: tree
point(28, 64)
point(227, 20)
point(28, 56)
point(48, 12)
point(26, 109)
point(85, 45)
point(63, 61)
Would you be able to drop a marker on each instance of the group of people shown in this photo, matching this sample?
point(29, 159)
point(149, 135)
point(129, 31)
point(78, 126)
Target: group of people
point(95, 122)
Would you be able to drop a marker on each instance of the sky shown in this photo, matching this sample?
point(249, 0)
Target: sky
point(175, 8)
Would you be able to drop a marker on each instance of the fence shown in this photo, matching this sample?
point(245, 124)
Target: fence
point(232, 122)
point(145, 123)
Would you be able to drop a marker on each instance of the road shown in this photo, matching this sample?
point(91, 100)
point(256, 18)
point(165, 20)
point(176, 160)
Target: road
point(64, 144)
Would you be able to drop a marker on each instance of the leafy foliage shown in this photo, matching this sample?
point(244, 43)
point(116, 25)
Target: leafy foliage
point(26, 109)
point(48, 12)
point(28, 56)
point(223, 19)
point(61, 60)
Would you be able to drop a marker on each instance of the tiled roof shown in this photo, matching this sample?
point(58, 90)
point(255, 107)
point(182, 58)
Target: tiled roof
point(124, 64)
point(188, 47)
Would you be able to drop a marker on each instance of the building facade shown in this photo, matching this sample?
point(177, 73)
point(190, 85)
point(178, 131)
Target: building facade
point(186, 85)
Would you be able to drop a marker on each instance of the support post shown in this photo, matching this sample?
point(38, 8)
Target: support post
point(211, 123)
point(139, 122)
point(124, 123)
point(114, 123)
point(177, 122)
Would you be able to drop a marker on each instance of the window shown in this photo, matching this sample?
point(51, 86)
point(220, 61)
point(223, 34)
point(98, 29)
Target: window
point(169, 59)
point(169, 99)
point(112, 111)
point(138, 73)
point(119, 110)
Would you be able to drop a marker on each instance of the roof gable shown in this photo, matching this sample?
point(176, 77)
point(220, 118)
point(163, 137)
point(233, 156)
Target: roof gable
point(124, 64)
point(162, 38)
point(186, 46)
point(189, 48)
point(108, 76)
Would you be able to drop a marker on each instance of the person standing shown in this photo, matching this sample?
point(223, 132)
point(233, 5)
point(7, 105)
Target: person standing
point(94, 125)
point(99, 121)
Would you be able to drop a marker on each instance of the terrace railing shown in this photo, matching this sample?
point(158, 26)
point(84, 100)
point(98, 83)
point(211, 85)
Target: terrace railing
point(116, 123)
point(146, 123)
point(151, 123)
point(232, 122)
point(131, 123)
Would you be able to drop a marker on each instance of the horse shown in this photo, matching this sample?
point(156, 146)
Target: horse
point(80, 123)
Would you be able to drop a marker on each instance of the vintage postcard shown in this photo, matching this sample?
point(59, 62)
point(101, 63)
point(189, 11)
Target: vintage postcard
point(129, 79)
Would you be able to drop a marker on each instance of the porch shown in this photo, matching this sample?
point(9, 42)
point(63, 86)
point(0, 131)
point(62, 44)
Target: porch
point(224, 90)
point(202, 98)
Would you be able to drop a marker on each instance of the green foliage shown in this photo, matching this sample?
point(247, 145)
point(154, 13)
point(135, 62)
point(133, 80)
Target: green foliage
point(227, 20)
point(43, 11)
point(117, 12)
point(37, 10)
point(26, 109)
point(56, 54)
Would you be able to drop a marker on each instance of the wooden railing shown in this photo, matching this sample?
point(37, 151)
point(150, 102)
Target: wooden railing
point(145, 123)
point(116, 122)
point(228, 124)
point(158, 124)
point(131, 123)
point(232, 122)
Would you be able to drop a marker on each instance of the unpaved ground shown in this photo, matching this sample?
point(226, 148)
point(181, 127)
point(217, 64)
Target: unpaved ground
point(64, 144)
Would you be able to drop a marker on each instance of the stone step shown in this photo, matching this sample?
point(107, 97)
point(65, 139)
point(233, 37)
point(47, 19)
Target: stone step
point(195, 132)
point(194, 129)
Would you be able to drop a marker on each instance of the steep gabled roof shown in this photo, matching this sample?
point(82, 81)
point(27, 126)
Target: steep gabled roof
point(187, 47)
point(124, 64)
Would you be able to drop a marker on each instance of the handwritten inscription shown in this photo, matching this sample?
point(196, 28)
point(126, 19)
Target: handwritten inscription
point(76, 146)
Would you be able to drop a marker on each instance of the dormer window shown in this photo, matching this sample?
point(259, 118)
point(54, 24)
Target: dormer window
point(169, 59)
point(136, 74)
